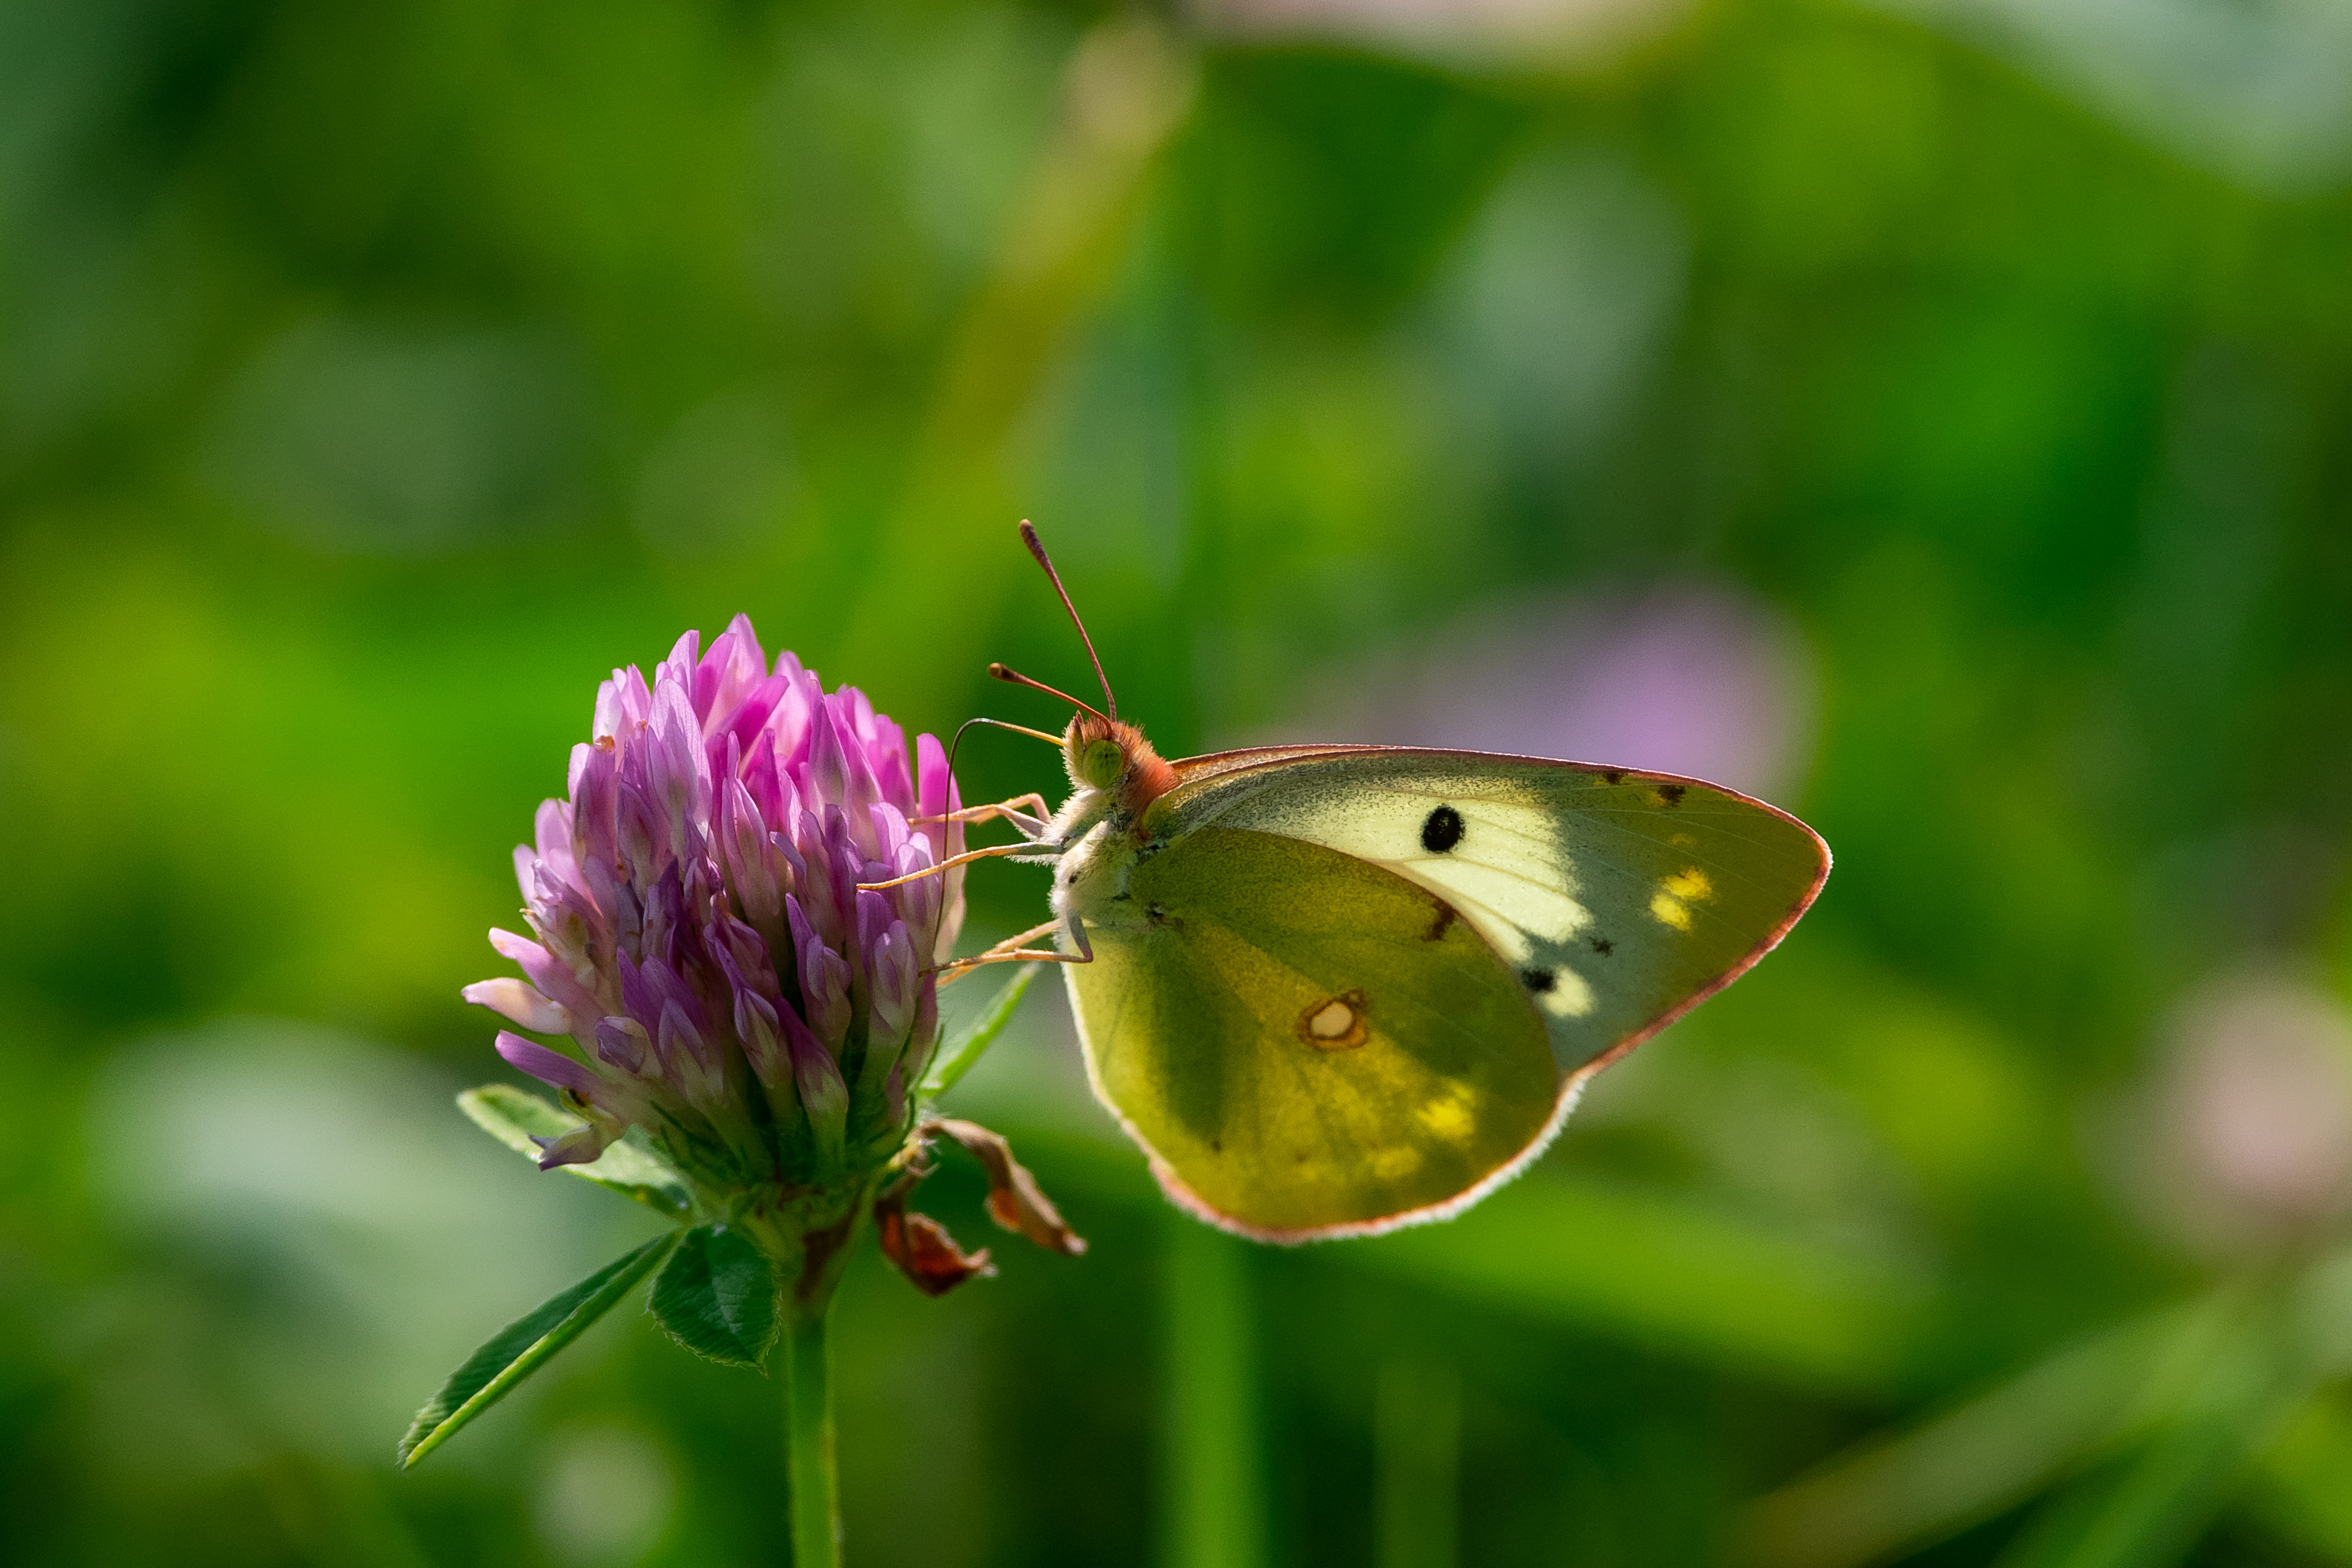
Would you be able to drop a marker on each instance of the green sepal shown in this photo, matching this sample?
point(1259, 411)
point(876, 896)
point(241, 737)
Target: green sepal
point(520, 1348)
point(957, 1055)
point(513, 1116)
point(716, 1297)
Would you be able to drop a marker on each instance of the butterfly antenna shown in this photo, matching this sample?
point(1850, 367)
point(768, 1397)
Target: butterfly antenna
point(1013, 677)
point(1029, 538)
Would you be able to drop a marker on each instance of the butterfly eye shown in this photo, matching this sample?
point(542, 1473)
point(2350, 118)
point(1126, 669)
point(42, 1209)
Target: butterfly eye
point(1101, 764)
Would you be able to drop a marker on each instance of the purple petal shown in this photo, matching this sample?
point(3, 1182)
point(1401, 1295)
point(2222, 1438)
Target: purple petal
point(550, 1067)
point(677, 773)
point(543, 970)
point(519, 1003)
point(759, 1026)
point(824, 1095)
point(732, 668)
point(640, 827)
point(622, 705)
point(552, 831)
point(938, 797)
point(595, 837)
point(579, 1146)
point(679, 668)
point(621, 1042)
point(751, 863)
point(827, 773)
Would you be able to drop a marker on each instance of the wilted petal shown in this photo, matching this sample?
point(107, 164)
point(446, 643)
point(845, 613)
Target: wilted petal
point(923, 1250)
point(1015, 1200)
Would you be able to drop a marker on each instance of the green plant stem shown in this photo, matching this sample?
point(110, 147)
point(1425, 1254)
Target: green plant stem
point(809, 1458)
point(1218, 1514)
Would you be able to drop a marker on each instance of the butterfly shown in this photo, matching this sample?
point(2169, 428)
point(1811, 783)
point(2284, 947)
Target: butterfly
point(1335, 990)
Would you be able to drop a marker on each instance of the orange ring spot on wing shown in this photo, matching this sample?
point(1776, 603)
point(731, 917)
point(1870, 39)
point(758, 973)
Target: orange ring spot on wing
point(1336, 1023)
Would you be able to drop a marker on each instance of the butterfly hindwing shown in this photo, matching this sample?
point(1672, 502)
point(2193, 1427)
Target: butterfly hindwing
point(1307, 1042)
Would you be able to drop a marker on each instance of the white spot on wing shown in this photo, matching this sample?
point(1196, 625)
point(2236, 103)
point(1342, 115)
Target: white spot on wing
point(1571, 995)
point(1508, 876)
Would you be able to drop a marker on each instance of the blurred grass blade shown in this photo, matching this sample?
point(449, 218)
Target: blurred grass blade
point(1216, 1510)
point(523, 1346)
point(1989, 1455)
point(957, 1055)
point(514, 1115)
point(943, 562)
point(716, 1297)
point(2151, 1510)
point(1682, 1277)
point(1417, 1431)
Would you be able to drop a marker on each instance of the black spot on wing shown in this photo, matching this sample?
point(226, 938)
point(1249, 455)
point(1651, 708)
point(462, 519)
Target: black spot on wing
point(1442, 831)
point(1538, 980)
point(1602, 945)
point(1614, 775)
point(1671, 795)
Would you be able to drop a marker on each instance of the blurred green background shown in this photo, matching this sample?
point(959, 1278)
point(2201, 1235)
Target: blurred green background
point(1929, 413)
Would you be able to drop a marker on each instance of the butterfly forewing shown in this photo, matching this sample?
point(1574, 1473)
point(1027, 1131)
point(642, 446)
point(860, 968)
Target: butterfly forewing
point(1619, 898)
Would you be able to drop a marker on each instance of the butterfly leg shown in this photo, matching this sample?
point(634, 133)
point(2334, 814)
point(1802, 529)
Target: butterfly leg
point(1011, 951)
point(994, 851)
point(1028, 823)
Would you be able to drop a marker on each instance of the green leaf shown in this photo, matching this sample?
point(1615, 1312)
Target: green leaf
point(717, 1296)
point(514, 1115)
point(523, 1347)
point(957, 1055)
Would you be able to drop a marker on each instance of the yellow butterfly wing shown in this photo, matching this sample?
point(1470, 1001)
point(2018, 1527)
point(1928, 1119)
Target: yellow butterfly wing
point(1303, 1043)
point(1502, 927)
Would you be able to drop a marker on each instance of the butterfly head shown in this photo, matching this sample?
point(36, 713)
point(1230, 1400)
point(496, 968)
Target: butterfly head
point(1107, 756)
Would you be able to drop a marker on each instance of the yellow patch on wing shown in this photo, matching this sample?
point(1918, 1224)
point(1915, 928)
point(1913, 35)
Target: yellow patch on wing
point(1690, 886)
point(1396, 1160)
point(1453, 1115)
point(1671, 904)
